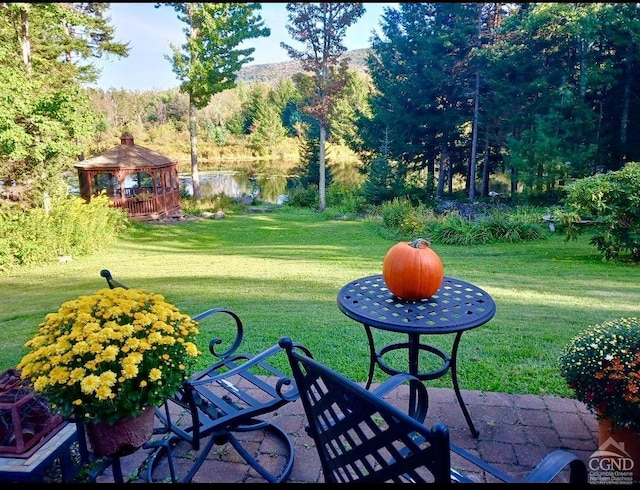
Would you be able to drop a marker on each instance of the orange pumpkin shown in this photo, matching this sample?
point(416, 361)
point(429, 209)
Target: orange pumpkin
point(412, 270)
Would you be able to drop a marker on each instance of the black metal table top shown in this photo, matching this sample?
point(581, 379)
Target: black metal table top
point(457, 306)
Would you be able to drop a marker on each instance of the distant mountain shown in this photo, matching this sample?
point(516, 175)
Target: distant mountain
point(272, 73)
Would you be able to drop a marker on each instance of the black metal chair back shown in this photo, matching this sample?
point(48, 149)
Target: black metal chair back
point(360, 437)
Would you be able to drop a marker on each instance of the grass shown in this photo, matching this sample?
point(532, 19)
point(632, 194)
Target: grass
point(281, 273)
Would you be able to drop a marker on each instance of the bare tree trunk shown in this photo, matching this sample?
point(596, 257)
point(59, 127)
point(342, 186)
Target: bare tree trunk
point(514, 183)
point(25, 40)
point(322, 164)
point(193, 119)
point(193, 134)
point(431, 178)
point(485, 168)
point(474, 141)
point(442, 176)
point(624, 117)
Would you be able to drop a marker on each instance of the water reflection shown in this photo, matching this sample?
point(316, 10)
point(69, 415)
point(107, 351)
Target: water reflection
point(267, 188)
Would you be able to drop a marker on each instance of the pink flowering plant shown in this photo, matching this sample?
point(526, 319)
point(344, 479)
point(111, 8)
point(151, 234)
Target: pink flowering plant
point(107, 356)
point(602, 365)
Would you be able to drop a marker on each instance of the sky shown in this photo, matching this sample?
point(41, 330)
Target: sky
point(149, 30)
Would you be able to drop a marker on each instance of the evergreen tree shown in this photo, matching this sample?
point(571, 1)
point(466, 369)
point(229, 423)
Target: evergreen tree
point(308, 169)
point(419, 68)
point(353, 101)
point(268, 130)
point(379, 186)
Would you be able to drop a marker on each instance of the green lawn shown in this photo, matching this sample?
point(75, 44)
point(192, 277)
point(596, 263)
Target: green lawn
point(281, 273)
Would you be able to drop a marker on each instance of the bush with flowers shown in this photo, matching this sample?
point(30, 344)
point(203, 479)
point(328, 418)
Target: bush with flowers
point(107, 356)
point(602, 365)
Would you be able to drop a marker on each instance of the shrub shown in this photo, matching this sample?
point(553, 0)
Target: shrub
point(454, 229)
point(514, 226)
point(347, 198)
point(451, 227)
point(612, 202)
point(72, 227)
point(211, 204)
point(304, 197)
point(399, 215)
point(601, 365)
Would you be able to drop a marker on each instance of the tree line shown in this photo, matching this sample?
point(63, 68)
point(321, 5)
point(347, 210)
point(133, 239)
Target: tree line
point(455, 94)
point(545, 92)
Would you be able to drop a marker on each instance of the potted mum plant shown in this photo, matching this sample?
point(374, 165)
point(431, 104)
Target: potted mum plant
point(602, 366)
point(108, 358)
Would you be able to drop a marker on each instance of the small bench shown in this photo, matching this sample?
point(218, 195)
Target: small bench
point(33, 468)
point(547, 218)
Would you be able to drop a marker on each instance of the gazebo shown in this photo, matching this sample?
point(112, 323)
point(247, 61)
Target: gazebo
point(138, 179)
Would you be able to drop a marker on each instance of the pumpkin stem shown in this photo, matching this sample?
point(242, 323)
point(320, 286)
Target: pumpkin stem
point(419, 242)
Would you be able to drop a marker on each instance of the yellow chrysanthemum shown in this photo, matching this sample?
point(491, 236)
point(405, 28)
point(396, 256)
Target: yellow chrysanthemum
point(59, 375)
point(117, 345)
point(155, 374)
point(129, 370)
point(108, 378)
point(191, 348)
point(103, 393)
point(41, 383)
point(110, 353)
point(76, 375)
point(90, 384)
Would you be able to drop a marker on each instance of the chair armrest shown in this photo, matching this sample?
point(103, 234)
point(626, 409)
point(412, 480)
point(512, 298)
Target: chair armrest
point(553, 463)
point(544, 472)
point(422, 398)
point(216, 340)
point(456, 476)
point(111, 281)
point(211, 374)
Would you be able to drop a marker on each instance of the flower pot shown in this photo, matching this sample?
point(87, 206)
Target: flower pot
point(620, 448)
point(122, 438)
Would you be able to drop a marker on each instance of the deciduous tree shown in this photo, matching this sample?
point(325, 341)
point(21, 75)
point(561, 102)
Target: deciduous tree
point(209, 60)
point(45, 116)
point(321, 28)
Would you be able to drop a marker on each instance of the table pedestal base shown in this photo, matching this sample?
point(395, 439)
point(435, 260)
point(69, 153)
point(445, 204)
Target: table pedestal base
point(413, 347)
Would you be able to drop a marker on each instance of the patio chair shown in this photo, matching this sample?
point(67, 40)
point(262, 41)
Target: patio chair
point(360, 437)
point(226, 398)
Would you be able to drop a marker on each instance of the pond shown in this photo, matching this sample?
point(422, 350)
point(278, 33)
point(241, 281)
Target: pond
point(267, 185)
point(267, 188)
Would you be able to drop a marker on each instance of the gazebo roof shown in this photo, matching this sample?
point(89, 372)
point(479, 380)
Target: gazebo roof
point(126, 156)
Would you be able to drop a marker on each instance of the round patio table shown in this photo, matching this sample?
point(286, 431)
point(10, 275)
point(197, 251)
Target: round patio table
point(456, 307)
